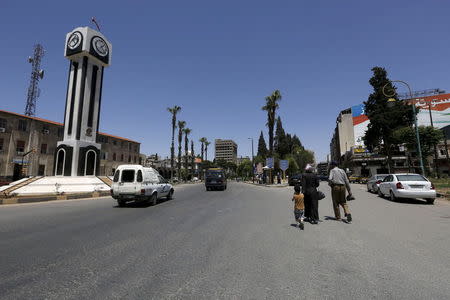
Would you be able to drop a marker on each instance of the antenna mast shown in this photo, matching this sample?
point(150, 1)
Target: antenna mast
point(36, 74)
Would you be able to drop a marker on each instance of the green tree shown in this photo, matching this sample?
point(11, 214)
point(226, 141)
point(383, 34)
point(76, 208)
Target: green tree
point(186, 132)
point(181, 125)
point(281, 142)
point(202, 140)
point(192, 158)
point(386, 114)
point(173, 110)
point(262, 148)
point(271, 108)
point(245, 169)
point(207, 143)
point(429, 137)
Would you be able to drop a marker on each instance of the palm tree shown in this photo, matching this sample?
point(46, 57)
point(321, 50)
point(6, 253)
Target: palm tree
point(206, 149)
point(203, 140)
point(181, 125)
point(186, 132)
point(173, 110)
point(271, 107)
point(192, 158)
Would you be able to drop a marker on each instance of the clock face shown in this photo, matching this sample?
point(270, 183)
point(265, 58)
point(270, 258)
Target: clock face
point(74, 40)
point(100, 46)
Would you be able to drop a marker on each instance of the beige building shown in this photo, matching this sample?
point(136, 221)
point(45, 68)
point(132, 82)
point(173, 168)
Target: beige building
point(225, 150)
point(20, 134)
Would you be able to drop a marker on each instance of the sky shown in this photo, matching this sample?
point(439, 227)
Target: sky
point(218, 60)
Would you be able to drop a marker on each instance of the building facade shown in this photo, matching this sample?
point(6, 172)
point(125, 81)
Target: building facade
point(28, 144)
point(347, 145)
point(225, 150)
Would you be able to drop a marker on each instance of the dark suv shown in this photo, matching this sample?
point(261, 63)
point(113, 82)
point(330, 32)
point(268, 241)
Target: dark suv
point(215, 179)
point(295, 179)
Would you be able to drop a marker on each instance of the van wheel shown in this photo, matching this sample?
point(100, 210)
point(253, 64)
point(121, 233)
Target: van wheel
point(430, 201)
point(121, 203)
point(208, 189)
point(153, 199)
point(170, 195)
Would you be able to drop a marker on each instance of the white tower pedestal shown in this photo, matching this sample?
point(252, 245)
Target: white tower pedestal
point(79, 153)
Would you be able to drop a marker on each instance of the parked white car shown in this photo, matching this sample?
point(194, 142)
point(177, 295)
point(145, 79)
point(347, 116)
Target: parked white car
point(137, 183)
point(374, 182)
point(407, 186)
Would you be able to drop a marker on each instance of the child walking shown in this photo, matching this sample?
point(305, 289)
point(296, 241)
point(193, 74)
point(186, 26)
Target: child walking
point(299, 207)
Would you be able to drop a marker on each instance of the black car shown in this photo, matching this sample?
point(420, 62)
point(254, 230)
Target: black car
point(295, 179)
point(215, 179)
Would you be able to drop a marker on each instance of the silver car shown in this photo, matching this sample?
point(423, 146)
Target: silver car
point(374, 182)
point(407, 186)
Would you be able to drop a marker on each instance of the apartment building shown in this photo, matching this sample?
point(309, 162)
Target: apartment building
point(225, 150)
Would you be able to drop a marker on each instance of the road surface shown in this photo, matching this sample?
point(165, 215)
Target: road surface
point(236, 244)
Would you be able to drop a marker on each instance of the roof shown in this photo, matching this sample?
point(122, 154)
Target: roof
point(61, 124)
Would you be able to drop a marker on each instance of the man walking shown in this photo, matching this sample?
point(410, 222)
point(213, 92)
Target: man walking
point(338, 181)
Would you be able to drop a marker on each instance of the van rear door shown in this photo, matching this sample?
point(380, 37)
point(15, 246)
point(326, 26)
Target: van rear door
point(127, 183)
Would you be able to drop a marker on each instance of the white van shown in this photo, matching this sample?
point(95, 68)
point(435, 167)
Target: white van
point(137, 183)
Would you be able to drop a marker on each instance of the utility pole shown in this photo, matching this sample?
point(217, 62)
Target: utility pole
point(435, 146)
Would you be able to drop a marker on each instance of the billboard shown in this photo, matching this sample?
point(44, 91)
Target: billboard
point(360, 123)
point(438, 105)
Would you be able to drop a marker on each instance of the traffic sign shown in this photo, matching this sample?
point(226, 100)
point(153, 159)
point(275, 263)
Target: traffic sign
point(284, 165)
point(269, 162)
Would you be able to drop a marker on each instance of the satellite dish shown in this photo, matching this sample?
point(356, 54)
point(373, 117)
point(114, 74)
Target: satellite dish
point(30, 59)
point(41, 73)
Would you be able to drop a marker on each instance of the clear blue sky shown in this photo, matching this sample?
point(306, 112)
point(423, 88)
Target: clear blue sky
point(219, 59)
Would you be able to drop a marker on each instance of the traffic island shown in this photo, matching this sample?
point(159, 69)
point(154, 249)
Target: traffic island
point(52, 197)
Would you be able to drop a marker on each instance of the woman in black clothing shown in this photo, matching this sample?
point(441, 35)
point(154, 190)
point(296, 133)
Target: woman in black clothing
point(310, 183)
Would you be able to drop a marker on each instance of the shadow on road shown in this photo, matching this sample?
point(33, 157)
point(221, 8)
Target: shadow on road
point(406, 201)
point(141, 204)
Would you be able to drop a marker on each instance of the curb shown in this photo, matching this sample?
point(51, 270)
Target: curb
point(45, 198)
point(267, 185)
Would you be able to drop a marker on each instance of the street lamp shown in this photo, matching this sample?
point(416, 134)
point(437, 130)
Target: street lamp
point(253, 162)
point(419, 149)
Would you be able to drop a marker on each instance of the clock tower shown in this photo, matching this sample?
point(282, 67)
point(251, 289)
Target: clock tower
point(89, 53)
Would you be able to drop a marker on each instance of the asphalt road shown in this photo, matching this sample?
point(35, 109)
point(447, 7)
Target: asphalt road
point(236, 244)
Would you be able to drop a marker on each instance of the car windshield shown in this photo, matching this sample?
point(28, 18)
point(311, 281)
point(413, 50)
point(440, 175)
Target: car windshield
point(413, 177)
point(215, 174)
point(128, 176)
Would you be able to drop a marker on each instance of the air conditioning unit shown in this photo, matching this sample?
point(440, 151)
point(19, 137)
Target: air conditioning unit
point(45, 131)
point(2, 129)
point(20, 153)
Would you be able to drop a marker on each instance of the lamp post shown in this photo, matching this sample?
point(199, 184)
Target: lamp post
point(419, 149)
point(253, 162)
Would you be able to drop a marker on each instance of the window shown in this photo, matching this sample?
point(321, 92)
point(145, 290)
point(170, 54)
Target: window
point(116, 176)
point(20, 146)
point(128, 176)
point(45, 129)
point(135, 159)
point(41, 170)
point(1, 144)
point(129, 146)
point(121, 157)
point(129, 158)
point(43, 148)
point(2, 123)
point(114, 156)
point(60, 131)
point(22, 125)
point(411, 177)
point(104, 155)
point(114, 142)
point(139, 176)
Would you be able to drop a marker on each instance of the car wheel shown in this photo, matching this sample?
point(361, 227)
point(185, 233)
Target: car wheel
point(208, 189)
point(170, 195)
point(430, 201)
point(154, 199)
point(380, 194)
point(368, 189)
point(392, 197)
point(121, 203)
